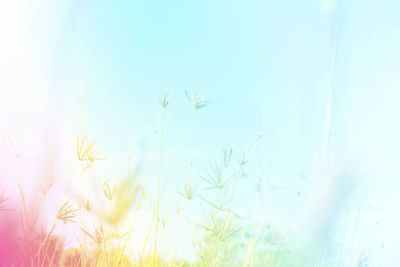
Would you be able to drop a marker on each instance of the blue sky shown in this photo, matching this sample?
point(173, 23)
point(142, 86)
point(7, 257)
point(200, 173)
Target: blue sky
point(263, 62)
point(267, 65)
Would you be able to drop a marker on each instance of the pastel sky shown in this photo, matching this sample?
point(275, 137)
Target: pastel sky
point(268, 66)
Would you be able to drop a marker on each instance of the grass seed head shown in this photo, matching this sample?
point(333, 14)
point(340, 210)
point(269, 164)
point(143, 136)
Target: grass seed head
point(165, 100)
point(199, 101)
point(67, 213)
point(86, 152)
point(99, 236)
point(188, 191)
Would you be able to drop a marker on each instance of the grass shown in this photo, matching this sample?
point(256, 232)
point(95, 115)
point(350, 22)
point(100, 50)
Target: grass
point(105, 219)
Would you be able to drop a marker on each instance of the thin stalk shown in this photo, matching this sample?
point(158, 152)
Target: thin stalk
point(235, 197)
point(83, 263)
point(159, 185)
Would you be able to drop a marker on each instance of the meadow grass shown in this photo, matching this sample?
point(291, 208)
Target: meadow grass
point(106, 216)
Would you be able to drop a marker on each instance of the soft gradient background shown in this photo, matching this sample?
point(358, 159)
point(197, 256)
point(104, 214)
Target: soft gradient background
point(320, 79)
